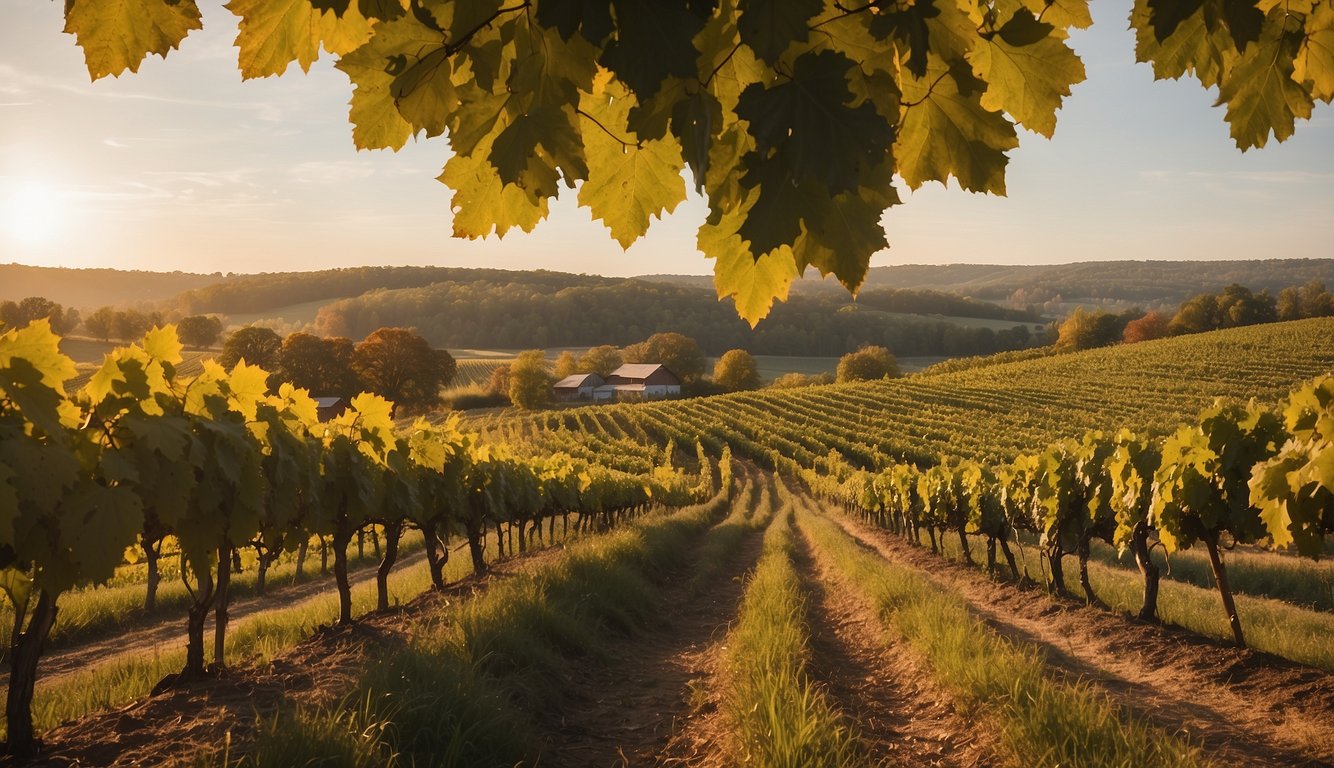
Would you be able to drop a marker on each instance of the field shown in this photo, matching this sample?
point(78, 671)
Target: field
point(761, 619)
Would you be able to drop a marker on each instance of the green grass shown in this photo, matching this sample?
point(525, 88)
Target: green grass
point(1297, 580)
point(261, 637)
point(1041, 722)
point(94, 612)
point(780, 716)
point(465, 690)
point(1273, 626)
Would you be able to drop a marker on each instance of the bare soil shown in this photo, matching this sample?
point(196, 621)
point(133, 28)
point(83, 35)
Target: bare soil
point(184, 722)
point(170, 633)
point(902, 717)
point(1243, 707)
point(641, 703)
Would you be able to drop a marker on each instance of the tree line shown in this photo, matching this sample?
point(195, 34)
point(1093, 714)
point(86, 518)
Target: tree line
point(395, 363)
point(509, 315)
point(1233, 307)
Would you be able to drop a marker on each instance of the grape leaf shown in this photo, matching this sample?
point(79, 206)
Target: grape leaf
point(247, 385)
point(483, 203)
point(119, 36)
point(376, 122)
point(1315, 59)
point(842, 232)
point(753, 283)
point(163, 344)
point(275, 33)
point(808, 125)
point(39, 346)
point(947, 132)
point(1062, 13)
point(653, 41)
point(590, 18)
point(628, 183)
point(1191, 48)
point(770, 26)
point(1260, 93)
point(1028, 71)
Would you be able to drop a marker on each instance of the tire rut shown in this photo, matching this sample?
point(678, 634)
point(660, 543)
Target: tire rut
point(1242, 707)
point(901, 717)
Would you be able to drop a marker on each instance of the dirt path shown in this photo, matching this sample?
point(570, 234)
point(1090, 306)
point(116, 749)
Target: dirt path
point(901, 716)
point(1243, 707)
point(170, 634)
point(641, 704)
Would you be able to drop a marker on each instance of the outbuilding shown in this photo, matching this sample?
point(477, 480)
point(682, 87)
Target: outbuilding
point(579, 386)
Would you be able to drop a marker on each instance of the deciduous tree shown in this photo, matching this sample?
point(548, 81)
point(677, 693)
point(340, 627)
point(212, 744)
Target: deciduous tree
point(256, 345)
point(1153, 325)
point(401, 366)
point(601, 360)
point(566, 364)
point(530, 380)
point(678, 352)
point(199, 330)
point(867, 363)
point(324, 367)
point(736, 370)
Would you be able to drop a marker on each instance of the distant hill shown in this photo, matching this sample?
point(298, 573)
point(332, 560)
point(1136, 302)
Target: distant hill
point(1147, 283)
point(549, 310)
point(92, 288)
point(251, 294)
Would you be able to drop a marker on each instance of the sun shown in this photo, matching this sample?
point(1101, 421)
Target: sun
point(31, 212)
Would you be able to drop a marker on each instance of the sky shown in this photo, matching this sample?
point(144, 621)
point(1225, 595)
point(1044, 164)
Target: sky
point(185, 167)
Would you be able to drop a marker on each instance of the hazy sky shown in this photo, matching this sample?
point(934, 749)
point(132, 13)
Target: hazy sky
point(183, 166)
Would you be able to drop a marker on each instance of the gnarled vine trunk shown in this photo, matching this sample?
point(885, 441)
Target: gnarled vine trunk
point(196, 617)
point(392, 533)
point(1139, 546)
point(25, 650)
point(221, 602)
point(1220, 578)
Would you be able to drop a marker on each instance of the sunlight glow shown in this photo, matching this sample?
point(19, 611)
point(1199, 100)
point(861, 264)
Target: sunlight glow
point(32, 212)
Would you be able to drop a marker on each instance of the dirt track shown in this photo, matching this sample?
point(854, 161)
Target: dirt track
point(1246, 708)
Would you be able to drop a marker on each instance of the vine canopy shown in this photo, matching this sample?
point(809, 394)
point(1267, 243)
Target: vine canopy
point(791, 117)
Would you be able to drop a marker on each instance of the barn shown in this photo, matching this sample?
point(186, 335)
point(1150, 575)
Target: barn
point(644, 380)
point(579, 386)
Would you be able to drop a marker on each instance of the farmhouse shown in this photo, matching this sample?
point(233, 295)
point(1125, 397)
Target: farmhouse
point(579, 386)
point(644, 380)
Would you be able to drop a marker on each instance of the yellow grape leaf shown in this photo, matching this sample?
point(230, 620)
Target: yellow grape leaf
point(483, 203)
point(945, 131)
point(375, 412)
point(1260, 92)
point(1028, 70)
point(275, 33)
point(117, 35)
point(753, 283)
point(1315, 60)
point(247, 385)
point(207, 384)
point(629, 182)
point(40, 347)
point(163, 344)
point(298, 403)
point(1062, 13)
